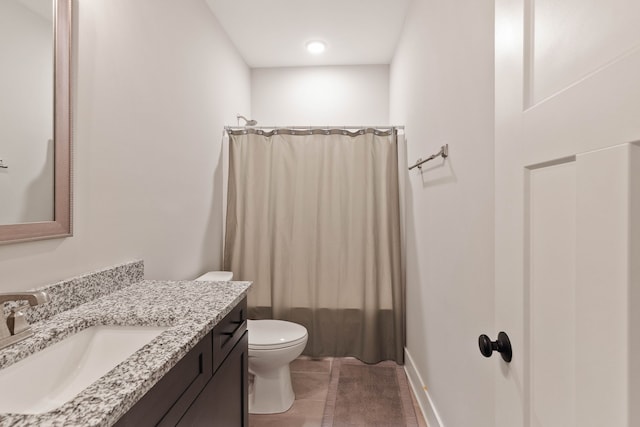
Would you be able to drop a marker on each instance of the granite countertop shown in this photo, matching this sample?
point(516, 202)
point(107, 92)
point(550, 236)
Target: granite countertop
point(189, 309)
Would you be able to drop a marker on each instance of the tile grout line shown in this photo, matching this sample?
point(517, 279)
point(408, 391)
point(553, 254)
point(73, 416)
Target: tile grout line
point(332, 394)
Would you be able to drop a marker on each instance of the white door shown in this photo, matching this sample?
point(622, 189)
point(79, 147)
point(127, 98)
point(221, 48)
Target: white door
point(568, 212)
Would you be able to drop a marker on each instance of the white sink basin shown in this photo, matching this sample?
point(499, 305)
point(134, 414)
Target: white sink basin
point(49, 378)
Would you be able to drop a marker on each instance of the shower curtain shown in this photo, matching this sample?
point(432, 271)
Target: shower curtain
point(313, 219)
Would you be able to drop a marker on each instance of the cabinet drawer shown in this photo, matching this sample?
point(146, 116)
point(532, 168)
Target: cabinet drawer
point(228, 332)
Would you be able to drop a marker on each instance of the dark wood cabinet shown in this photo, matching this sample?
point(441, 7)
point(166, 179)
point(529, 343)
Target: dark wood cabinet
point(207, 387)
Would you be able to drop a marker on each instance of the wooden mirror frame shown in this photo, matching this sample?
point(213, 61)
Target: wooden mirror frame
point(61, 225)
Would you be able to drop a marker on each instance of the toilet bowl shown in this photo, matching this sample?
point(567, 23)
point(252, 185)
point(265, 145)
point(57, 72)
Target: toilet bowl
point(273, 345)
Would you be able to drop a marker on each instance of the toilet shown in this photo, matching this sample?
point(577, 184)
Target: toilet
point(273, 345)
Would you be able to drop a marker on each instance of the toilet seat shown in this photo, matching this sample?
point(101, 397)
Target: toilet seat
point(274, 334)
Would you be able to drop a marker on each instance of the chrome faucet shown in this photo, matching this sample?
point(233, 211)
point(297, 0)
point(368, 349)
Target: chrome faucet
point(14, 327)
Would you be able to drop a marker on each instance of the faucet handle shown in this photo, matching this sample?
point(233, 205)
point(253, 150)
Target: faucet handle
point(17, 321)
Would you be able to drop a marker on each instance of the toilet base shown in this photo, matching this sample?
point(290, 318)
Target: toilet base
point(271, 393)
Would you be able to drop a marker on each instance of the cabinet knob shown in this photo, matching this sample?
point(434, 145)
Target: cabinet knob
point(502, 345)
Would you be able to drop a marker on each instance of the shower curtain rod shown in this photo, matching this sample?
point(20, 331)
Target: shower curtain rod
point(312, 127)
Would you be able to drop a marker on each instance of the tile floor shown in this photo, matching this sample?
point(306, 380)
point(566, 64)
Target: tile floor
point(311, 382)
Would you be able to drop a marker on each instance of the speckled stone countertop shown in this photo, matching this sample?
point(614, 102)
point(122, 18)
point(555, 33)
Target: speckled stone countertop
point(189, 309)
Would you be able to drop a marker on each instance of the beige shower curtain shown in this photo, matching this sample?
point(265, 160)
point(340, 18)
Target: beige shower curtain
point(313, 219)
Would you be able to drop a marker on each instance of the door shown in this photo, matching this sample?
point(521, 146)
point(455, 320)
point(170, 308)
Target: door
point(567, 208)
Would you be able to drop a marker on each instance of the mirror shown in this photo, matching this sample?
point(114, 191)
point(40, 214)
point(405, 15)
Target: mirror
point(35, 139)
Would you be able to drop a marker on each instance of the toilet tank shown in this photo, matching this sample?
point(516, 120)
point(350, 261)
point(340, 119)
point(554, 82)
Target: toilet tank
point(216, 276)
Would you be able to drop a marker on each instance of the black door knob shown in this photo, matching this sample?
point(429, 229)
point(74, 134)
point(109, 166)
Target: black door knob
point(502, 345)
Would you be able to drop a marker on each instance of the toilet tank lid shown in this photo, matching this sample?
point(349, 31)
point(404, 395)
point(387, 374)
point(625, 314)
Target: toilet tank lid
point(216, 276)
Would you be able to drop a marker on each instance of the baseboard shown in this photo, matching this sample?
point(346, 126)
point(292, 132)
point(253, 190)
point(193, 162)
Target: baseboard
point(422, 395)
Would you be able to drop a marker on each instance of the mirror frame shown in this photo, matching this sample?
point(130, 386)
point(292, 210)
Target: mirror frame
point(61, 226)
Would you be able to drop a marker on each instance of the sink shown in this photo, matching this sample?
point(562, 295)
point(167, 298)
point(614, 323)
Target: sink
point(51, 377)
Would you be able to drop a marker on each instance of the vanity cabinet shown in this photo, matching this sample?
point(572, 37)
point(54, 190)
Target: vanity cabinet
point(207, 387)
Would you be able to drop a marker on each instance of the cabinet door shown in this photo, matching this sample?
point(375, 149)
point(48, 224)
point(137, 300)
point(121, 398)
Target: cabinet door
point(224, 401)
point(166, 401)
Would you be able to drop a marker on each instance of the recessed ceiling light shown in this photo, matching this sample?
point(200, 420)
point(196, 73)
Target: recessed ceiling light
point(316, 47)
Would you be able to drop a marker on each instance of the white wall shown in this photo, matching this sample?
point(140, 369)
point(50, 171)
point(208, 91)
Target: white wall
point(320, 96)
point(26, 114)
point(442, 90)
point(156, 82)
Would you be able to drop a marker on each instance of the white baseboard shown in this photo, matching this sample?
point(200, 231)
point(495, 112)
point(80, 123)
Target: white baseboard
point(422, 395)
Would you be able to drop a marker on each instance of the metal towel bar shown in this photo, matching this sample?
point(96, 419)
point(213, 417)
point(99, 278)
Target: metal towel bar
point(444, 153)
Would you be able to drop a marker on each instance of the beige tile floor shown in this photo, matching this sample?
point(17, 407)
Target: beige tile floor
point(310, 379)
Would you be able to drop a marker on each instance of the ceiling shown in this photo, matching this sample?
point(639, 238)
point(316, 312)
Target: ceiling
point(273, 33)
